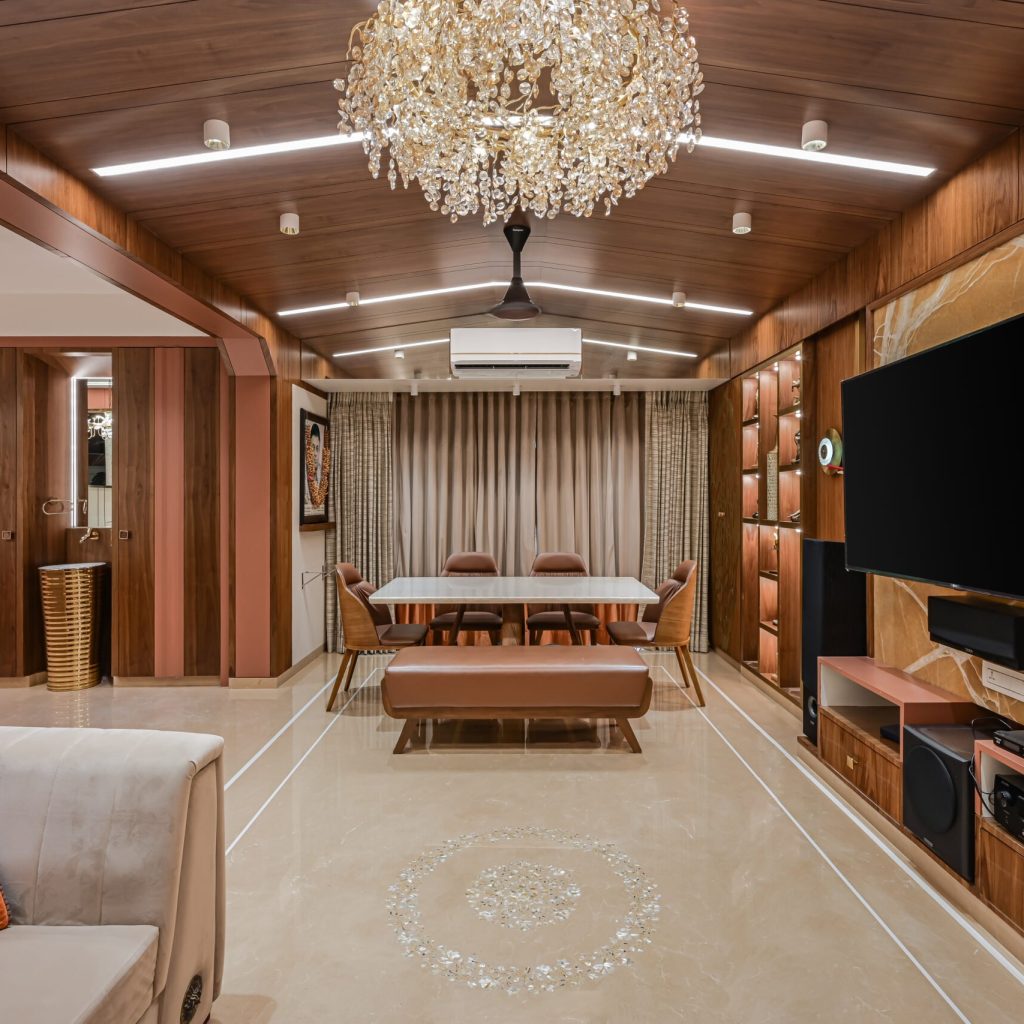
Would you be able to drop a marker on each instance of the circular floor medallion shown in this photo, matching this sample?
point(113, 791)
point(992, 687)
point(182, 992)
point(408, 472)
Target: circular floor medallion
point(523, 895)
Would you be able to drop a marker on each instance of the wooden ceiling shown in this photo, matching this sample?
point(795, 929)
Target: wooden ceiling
point(933, 83)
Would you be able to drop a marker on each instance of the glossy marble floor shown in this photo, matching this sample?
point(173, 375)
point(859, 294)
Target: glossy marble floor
point(711, 879)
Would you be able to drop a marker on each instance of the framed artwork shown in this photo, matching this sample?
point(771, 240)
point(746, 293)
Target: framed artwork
point(314, 468)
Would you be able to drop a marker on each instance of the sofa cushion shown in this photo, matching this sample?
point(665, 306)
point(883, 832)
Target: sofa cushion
point(77, 974)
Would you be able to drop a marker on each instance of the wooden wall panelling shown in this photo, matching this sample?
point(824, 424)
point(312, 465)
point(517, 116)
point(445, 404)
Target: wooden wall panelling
point(1000, 863)
point(43, 472)
point(202, 513)
point(134, 581)
point(281, 483)
point(725, 517)
point(9, 565)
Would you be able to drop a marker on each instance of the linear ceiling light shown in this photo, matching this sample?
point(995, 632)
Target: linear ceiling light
point(639, 348)
point(399, 346)
point(633, 297)
point(390, 298)
point(217, 156)
point(814, 157)
point(629, 296)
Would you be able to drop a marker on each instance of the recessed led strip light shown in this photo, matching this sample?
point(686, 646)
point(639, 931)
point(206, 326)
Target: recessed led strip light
point(630, 347)
point(210, 156)
point(813, 157)
point(403, 345)
point(628, 296)
point(321, 141)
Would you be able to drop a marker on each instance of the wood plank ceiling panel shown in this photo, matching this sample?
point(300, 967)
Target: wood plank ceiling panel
point(933, 83)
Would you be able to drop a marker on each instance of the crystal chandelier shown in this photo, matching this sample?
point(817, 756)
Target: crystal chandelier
point(546, 105)
point(101, 424)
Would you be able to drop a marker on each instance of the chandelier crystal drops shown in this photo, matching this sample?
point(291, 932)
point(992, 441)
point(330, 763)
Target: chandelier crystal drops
point(545, 105)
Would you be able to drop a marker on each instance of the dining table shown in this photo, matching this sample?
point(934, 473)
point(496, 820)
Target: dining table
point(513, 593)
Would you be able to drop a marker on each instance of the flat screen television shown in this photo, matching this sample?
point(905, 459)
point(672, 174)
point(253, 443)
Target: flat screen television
point(933, 449)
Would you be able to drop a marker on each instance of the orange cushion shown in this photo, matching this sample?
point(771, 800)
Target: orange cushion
point(5, 917)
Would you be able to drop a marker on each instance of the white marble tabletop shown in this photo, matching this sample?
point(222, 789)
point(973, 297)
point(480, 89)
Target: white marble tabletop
point(514, 590)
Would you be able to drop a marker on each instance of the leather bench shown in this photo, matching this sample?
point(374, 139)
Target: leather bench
point(516, 682)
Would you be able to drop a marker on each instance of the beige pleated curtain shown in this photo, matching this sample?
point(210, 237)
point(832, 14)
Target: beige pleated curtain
point(676, 458)
point(361, 495)
point(545, 471)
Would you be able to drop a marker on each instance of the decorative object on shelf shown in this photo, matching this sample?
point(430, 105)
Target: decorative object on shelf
point(775, 540)
point(794, 390)
point(830, 453)
point(796, 441)
point(314, 468)
point(496, 106)
point(794, 517)
point(772, 468)
point(757, 403)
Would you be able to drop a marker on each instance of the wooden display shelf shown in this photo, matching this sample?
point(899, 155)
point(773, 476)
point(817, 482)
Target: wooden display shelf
point(765, 574)
point(769, 627)
point(750, 469)
point(786, 524)
point(751, 521)
point(752, 422)
point(790, 410)
point(791, 468)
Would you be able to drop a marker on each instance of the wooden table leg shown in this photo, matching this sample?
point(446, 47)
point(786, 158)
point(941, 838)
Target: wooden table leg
point(573, 631)
point(513, 622)
point(453, 636)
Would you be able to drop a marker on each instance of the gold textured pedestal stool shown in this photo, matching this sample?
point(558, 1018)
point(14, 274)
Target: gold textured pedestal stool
point(71, 615)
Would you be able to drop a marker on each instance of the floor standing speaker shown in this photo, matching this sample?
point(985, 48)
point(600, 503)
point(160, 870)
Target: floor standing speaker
point(834, 617)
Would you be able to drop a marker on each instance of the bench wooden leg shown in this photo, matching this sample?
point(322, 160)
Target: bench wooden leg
point(408, 731)
point(627, 731)
point(342, 669)
point(694, 678)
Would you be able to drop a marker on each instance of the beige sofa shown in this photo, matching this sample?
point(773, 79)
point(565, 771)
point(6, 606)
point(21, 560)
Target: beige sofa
point(112, 861)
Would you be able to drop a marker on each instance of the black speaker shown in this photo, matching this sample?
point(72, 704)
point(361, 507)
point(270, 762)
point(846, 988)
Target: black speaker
point(834, 617)
point(938, 791)
point(991, 631)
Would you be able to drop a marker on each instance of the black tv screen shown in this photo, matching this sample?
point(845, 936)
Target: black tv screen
point(934, 464)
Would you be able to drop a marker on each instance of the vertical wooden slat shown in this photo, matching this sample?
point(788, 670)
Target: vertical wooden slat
point(134, 556)
point(725, 517)
point(202, 513)
point(9, 570)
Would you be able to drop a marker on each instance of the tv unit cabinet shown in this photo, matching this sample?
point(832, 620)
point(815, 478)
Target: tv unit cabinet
point(999, 856)
point(856, 697)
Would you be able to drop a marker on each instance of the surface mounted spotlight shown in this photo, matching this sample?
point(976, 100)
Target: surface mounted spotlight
point(741, 224)
point(679, 299)
point(814, 137)
point(630, 357)
point(399, 353)
point(515, 390)
point(414, 389)
point(289, 223)
point(216, 134)
point(352, 298)
point(616, 390)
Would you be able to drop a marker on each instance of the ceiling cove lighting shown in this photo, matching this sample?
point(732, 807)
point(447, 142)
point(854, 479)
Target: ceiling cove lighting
point(399, 347)
point(631, 348)
point(214, 156)
point(815, 157)
point(628, 296)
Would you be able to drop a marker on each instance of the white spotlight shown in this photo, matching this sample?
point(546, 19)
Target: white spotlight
point(679, 299)
point(399, 353)
point(414, 389)
point(289, 223)
point(631, 357)
point(741, 224)
point(616, 390)
point(814, 137)
point(352, 298)
point(515, 390)
point(216, 134)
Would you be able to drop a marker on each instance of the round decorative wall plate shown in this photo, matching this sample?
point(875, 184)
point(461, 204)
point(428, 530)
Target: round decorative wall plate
point(830, 453)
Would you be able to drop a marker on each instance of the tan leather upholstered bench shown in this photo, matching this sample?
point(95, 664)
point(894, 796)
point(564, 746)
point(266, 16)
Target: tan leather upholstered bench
point(516, 682)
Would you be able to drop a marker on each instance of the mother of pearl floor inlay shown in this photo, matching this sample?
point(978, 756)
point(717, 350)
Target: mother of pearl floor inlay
point(620, 907)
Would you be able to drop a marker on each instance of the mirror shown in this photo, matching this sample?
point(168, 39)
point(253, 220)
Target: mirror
point(92, 445)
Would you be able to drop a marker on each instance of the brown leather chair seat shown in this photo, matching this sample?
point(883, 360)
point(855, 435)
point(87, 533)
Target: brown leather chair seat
point(632, 634)
point(470, 620)
point(543, 621)
point(516, 682)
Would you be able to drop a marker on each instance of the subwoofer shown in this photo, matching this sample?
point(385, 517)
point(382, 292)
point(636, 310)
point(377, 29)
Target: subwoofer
point(938, 791)
point(834, 617)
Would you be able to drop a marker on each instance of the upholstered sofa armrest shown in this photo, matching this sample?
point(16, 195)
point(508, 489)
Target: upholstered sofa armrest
point(120, 826)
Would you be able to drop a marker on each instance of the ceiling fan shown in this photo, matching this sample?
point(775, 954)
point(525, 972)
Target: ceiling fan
point(517, 304)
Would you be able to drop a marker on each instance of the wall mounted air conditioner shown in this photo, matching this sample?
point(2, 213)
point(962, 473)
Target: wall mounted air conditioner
point(526, 352)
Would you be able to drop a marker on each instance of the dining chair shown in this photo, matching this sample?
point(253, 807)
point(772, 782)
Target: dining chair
point(668, 623)
point(480, 618)
point(578, 619)
point(367, 627)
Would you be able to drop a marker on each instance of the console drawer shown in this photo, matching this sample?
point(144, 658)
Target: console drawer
point(865, 767)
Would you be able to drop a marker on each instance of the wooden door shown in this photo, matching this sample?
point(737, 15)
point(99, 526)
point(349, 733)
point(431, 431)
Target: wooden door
point(725, 484)
point(133, 577)
point(9, 574)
